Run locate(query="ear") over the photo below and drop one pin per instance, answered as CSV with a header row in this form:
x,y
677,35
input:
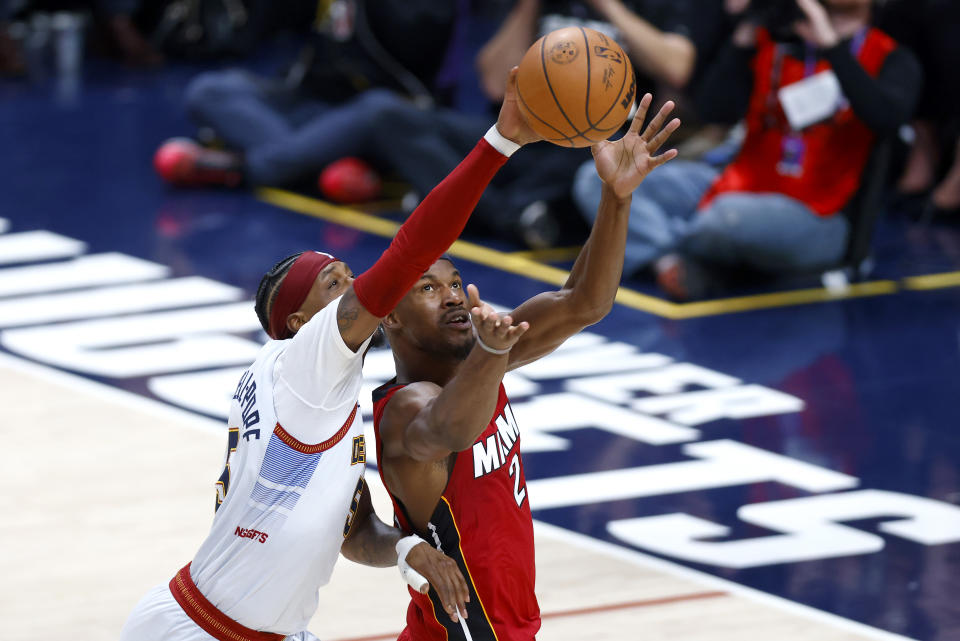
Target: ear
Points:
x,y
295,321
390,321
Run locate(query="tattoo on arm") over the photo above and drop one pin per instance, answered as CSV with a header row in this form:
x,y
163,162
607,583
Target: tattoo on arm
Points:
x,y
375,544
369,540
348,311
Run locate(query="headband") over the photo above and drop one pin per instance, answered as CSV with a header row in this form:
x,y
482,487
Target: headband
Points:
x,y
294,289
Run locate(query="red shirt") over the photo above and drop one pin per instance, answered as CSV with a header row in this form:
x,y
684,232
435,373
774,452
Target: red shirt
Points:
x,y
836,150
483,522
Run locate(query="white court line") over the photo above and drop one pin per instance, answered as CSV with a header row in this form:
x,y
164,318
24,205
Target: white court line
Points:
x,y
162,410
113,394
32,246
709,580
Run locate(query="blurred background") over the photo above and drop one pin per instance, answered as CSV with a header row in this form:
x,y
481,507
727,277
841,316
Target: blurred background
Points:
x,y
160,155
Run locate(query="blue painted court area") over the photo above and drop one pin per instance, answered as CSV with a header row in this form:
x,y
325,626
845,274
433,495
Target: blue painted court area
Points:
x,y
810,451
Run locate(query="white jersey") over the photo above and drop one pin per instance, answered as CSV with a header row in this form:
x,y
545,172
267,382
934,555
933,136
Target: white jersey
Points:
x,y
294,463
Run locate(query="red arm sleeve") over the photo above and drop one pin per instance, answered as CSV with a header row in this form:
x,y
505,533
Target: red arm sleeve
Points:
x,y
428,232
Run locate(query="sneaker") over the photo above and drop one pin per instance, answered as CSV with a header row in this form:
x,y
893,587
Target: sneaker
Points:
x,y
349,180
682,279
184,163
538,226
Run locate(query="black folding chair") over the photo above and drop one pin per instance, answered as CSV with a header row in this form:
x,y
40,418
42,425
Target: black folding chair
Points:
x,y
862,212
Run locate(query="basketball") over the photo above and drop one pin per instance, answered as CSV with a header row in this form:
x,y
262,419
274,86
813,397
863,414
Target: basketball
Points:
x,y
575,86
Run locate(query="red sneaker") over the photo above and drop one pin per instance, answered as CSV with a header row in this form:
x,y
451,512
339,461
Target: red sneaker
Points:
x,y
349,180
671,277
184,163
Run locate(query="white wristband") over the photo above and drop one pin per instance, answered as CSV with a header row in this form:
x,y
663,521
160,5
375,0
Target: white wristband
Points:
x,y
504,145
413,578
487,348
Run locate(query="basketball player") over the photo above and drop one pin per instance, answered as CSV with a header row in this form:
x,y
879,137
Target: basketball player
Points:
x,y
448,449
292,494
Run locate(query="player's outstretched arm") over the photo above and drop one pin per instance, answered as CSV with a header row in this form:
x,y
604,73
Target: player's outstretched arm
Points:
x,y
372,542
426,422
433,226
589,292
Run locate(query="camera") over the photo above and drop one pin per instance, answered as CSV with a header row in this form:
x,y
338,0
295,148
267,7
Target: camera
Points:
x,y
777,16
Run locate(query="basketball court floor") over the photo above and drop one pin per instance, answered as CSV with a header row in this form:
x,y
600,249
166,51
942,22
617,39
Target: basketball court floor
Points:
x,y
783,465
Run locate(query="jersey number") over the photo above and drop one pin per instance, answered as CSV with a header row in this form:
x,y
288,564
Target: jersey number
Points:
x,y
223,483
519,493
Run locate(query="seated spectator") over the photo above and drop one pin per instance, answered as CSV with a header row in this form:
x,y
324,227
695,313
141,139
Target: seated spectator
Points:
x,y
932,171
278,135
367,59
777,207
663,39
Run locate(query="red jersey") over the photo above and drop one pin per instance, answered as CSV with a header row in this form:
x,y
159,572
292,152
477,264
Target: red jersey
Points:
x,y
483,522
836,150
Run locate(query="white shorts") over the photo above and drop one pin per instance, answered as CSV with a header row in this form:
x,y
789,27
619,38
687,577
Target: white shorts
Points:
x,y
158,617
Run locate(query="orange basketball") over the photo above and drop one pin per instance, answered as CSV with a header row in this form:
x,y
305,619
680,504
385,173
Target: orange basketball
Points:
x,y
575,86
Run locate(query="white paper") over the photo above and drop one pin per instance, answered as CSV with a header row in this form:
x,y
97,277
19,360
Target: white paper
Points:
x,y
811,100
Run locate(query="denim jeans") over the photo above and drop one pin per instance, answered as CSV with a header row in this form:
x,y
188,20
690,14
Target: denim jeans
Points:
x,y
284,135
765,231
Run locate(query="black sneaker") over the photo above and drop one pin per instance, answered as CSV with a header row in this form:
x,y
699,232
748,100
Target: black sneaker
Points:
x,y
539,228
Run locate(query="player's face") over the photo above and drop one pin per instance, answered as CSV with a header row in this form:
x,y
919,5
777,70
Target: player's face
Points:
x,y
434,313
331,283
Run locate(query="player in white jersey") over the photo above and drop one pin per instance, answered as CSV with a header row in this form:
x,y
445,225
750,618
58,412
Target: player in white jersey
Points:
x,y
292,495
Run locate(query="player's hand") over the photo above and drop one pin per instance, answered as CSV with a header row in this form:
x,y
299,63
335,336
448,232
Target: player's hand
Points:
x,y
496,332
511,123
443,575
623,164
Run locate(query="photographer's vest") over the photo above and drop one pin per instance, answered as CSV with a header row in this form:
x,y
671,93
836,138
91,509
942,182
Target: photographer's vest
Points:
x,y
828,157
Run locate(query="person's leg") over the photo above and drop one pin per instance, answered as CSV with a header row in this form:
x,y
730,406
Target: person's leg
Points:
x,y
132,45
660,207
946,196
158,617
244,110
423,145
348,129
920,167
767,232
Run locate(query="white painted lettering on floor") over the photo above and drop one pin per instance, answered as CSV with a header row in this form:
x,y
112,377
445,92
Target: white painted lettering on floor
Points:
x,y
119,317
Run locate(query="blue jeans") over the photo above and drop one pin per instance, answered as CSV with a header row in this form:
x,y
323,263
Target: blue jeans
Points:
x,y
284,135
764,231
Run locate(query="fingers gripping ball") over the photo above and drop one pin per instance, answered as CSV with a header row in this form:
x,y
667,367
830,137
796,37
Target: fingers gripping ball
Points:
x,y
575,86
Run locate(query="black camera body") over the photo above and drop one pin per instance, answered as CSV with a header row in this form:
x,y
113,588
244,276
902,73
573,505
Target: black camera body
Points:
x,y
777,16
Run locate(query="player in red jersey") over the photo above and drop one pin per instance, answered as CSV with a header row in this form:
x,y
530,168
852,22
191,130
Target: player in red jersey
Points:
x,y
448,448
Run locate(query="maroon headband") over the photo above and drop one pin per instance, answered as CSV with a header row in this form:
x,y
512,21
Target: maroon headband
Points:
x,y
294,289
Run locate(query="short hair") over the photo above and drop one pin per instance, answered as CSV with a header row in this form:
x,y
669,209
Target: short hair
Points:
x,y
269,288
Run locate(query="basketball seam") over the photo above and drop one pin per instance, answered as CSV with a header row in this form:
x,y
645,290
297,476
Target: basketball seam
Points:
x,y
623,83
532,113
586,104
546,76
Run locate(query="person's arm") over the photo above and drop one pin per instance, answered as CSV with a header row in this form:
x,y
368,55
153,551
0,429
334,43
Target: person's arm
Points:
x,y
426,422
669,57
723,95
433,226
589,292
885,102
506,47
372,542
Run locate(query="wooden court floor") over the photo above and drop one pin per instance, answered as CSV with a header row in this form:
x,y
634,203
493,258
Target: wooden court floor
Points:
x,y
109,494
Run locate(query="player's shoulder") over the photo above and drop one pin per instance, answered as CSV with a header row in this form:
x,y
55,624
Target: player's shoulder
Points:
x,y
398,403
421,392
